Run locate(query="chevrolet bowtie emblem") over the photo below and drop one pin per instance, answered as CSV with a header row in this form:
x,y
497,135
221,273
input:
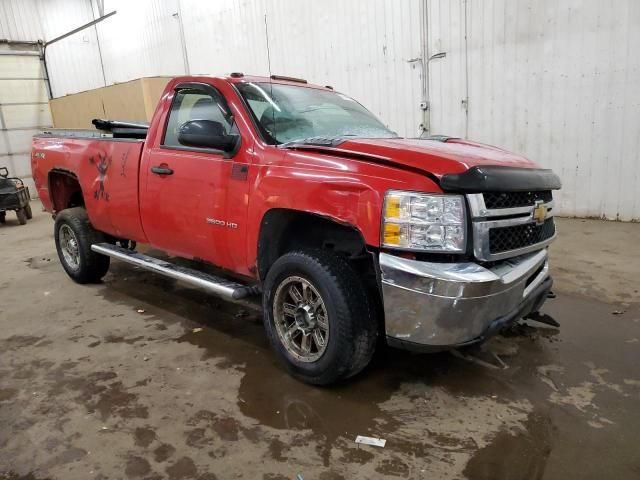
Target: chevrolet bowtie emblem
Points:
x,y
540,212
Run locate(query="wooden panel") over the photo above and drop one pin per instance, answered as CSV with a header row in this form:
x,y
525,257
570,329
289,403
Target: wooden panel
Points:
x,y
133,101
77,111
152,89
124,101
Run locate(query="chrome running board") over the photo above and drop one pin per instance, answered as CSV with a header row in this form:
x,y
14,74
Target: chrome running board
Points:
x,y
206,281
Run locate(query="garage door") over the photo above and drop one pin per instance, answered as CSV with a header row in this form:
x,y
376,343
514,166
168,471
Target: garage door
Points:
x,y
24,108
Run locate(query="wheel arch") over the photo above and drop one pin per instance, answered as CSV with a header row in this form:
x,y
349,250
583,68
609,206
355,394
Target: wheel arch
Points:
x,y
64,190
283,230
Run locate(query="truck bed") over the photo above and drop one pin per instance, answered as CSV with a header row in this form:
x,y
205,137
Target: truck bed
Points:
x,y
104,129
106,165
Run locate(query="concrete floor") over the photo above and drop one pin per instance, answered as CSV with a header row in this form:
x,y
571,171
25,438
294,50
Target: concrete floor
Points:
x,y
112,381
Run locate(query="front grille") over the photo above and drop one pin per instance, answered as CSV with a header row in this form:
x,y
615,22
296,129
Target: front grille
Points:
x,y
496,200
502,239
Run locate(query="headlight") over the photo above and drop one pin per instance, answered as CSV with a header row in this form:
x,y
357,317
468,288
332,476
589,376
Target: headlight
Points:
x,y
417,221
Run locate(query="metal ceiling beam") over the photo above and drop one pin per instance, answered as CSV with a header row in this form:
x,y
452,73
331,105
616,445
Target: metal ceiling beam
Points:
x,y
63,36
76,30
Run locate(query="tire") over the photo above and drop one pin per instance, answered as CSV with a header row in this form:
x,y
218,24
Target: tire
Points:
x,y
74,236
28,211
350,337
3,217
22,216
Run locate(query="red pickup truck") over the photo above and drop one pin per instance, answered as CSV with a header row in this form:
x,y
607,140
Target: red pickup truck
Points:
x,y
299,194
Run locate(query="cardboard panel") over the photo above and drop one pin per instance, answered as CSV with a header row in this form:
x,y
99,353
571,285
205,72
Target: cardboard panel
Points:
x,y
124,101
152,89
77,111
133,101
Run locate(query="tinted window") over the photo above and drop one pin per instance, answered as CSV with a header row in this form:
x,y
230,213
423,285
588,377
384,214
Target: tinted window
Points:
x,y
193,105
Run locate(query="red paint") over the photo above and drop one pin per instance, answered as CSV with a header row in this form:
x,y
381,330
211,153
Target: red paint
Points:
x,y
346,184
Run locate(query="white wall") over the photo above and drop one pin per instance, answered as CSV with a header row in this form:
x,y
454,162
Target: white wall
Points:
x,y
24,110
142,39
556,81
358,47
75,61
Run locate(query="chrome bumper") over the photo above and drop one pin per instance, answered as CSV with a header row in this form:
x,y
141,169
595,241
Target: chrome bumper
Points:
x,y
444,305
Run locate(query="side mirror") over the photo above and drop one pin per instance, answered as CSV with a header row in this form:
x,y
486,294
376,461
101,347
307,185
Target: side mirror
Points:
x,y
206,134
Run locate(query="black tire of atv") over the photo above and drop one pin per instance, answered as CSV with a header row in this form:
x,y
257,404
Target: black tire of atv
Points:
x,y
22,216
352,323
92,266
28,211
3,217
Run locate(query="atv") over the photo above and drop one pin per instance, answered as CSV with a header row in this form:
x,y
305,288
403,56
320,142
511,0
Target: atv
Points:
x,y
14,195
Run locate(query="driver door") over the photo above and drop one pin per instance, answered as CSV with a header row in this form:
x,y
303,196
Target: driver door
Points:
x,y
185,195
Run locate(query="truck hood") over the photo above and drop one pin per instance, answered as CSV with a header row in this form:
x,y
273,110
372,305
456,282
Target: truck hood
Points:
x,y
436,157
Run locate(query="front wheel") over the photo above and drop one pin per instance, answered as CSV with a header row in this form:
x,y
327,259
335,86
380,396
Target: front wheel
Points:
x,y
28,212
74,236
318,316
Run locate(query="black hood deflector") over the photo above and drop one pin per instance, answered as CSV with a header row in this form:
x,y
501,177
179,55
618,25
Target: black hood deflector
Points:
x,y
494,178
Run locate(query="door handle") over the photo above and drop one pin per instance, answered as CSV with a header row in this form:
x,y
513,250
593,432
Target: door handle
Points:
x,y
162,170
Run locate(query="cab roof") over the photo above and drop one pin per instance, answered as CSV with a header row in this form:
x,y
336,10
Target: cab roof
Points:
x,y
238,77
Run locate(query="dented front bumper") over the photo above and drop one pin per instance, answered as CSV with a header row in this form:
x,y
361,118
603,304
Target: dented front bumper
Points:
x,y
436,306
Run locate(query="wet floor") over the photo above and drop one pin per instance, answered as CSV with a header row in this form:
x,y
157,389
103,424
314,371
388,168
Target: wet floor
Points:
x,y
141,377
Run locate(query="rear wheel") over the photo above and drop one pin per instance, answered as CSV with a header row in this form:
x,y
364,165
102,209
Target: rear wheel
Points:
x,y
28,211
318,316
74,236
22,216
3,217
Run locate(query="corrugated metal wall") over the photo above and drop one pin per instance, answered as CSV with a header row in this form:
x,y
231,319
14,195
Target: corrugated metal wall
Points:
x,y
142,39
75,61
358,47
20,20
556,81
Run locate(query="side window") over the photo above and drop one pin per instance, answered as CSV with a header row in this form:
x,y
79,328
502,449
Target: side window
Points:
x,y
193,105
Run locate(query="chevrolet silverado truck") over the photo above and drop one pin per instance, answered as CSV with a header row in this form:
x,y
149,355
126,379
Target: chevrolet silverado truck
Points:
x,y
297,193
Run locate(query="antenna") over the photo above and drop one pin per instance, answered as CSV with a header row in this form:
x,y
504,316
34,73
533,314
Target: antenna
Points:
x,y
266,33
273,110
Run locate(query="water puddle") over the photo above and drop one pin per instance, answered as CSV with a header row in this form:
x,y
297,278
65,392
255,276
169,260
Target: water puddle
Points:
x,y
492,422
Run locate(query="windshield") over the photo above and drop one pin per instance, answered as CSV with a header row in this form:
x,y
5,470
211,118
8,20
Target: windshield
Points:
x,y
287,113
